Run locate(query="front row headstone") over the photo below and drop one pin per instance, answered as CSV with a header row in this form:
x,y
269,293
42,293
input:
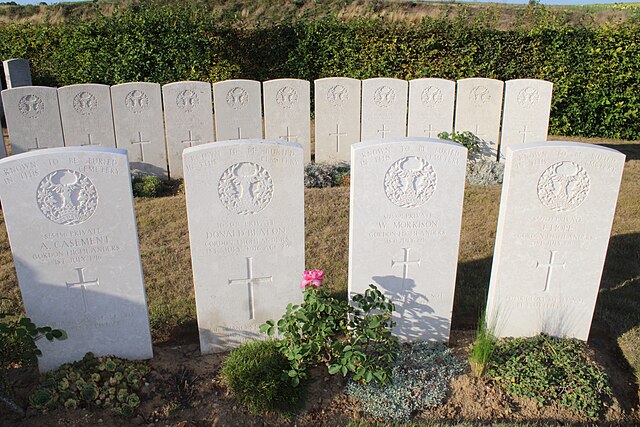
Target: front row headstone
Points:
x,y
406,211
71,224
245,206
556,212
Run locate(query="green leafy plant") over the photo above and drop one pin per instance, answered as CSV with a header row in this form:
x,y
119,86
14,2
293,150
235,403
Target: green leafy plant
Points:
x,y
549,370
471,142
18,336
482,347
256,374
107,381
347,339
147,186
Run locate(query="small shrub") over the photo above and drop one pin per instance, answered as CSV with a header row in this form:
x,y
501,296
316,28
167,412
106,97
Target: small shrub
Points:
x,y
468,139
549,370
323,175
147,186
485,172
419,380
108,382
256,374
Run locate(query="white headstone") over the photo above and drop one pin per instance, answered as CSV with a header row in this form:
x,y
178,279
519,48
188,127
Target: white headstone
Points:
x,y
245,205
1,107
237,108
3,148
33,118
527,106
556,211
70,220
87,118
188,116
17,72
384,108
430,107
137,116
404,231
287,114
478,110
337,118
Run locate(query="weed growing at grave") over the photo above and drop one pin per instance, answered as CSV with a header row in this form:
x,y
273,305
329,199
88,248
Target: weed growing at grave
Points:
x,y
18,336
255,373
485,172
147,186
466,138
419,380
483,347
326,330
549,370
107,381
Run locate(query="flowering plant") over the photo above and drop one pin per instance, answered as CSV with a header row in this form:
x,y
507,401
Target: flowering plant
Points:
x,y
327,330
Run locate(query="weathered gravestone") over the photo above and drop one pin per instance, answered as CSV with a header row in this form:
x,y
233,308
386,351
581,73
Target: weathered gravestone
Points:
x,y
238,109
406,210
188,116
527,105
287,112
1,107
87,117
384,108
430,107
246,226
337,118
70,220
33,118
3,148
17,72
137,116
478,110
556,211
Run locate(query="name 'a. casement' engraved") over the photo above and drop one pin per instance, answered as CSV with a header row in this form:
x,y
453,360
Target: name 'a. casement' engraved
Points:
x,y
237,98
67,197
85,103
287,97
479,95
31,106
550,265
82,283
250,281
431,96
187,100
405,263
528,97
337,95
563,186
136,101
384,96
245,188
410,182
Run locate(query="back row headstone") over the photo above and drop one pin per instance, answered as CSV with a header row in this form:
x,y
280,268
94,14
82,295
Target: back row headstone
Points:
x,y
431,103
70,220
556,211
17,72
404,229
245,205
237,108
87,117
384,108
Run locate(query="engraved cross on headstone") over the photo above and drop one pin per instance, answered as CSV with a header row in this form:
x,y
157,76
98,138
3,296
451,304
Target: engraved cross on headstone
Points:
x,y
190,140
337,134
82,283
478,132
240,134
405,265
288,136
384,131
37,147
549,266
250,281
90,141
524,132
140,142
430,130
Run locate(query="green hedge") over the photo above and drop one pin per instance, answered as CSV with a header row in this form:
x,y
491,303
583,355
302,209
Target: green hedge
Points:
x,y
596,71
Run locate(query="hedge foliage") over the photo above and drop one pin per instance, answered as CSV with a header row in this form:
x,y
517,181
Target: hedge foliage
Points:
x,y
596,71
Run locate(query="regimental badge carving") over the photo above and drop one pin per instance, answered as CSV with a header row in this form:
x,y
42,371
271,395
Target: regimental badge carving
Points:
x,y
31,106
563,186
245,188
85,103
337,95
384,96
237,98
528,97
479,95
136,101
410,182
187,100
431,96
67,197
287,97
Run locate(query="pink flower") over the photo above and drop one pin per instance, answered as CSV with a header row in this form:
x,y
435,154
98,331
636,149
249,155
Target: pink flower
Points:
x,y
312,278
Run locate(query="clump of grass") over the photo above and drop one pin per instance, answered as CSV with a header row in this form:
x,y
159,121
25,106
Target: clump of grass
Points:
x,y
255,373
483,347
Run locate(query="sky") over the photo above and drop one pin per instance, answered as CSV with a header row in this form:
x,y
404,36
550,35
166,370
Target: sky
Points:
x,y
549,2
